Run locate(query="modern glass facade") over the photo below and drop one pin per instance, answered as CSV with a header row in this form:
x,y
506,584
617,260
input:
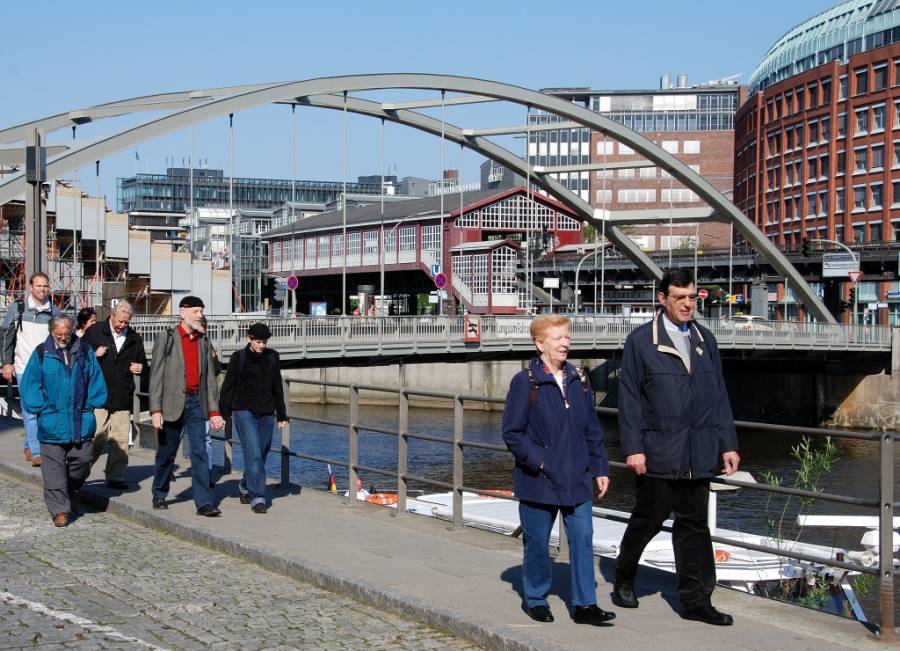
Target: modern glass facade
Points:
x,y
170,192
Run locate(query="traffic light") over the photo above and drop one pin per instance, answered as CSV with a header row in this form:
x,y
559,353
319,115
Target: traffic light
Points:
x,y
804,247
852,298
845,306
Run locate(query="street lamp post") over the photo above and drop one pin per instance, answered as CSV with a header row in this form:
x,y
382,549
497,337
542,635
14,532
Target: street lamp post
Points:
x,y
852,257
730,259
578,271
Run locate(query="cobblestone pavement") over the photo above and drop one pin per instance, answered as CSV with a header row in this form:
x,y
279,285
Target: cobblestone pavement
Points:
x,y
103,583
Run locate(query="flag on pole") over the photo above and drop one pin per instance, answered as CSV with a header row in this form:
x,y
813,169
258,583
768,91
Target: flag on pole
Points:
x,y
332,486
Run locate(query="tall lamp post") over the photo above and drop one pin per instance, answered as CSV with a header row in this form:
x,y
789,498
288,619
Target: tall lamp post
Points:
x,y
730,259
852,257
578,272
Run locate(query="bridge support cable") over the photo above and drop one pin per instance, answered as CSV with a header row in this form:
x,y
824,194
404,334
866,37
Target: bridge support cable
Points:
x,y
441,182
344,209
280,92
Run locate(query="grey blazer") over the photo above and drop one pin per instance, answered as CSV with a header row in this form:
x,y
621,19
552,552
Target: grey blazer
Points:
x,y
167,376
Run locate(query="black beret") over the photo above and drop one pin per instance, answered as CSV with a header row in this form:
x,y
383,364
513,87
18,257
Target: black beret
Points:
x,y
259,331
191,301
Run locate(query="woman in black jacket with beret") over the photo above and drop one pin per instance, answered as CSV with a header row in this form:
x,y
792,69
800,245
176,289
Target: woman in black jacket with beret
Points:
x,y
252,398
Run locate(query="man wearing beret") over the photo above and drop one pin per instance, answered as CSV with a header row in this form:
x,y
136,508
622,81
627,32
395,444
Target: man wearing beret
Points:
x,y
183,395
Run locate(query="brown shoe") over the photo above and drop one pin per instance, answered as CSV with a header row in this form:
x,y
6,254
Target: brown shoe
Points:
x,y
27,454
36,460
61,520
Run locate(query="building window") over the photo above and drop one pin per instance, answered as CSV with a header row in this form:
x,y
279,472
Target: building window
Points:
x,y
813,134
811,204
859,198
862,121
337,247
408,238
841,162
839,206
370,243
823,202
879,77
298,251
895,194
503,277
877,196
691,146
636,195
826,91
861,77
627,173
678,195
670,146
604,147
823,166
842,87
874,232
604,174
877,157
625,149
353,244
811,169
826,129
431,238
878,118
861,160
603,197
311,252
842,125
323,247
859,232
897,72
390,241
648,172
813,95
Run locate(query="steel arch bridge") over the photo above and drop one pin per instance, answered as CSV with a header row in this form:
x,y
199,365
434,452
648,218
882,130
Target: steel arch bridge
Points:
x,y
197,106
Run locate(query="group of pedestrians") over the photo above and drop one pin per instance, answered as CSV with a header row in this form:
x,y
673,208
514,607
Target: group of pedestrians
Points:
x,y
675,427
76,382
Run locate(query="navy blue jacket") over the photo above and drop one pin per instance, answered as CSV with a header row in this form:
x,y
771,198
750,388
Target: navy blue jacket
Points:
x,y
568,441
64,396
681,421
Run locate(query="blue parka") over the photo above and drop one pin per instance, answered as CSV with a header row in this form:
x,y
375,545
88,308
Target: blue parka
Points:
x,y
64,397
681,421
562,433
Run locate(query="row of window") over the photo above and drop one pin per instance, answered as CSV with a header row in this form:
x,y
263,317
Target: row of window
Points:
x,y
605,147
517,213
647,195
324,247
866,197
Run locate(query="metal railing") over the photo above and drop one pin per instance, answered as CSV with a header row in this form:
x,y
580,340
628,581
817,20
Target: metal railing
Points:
x,y
336,337
884,505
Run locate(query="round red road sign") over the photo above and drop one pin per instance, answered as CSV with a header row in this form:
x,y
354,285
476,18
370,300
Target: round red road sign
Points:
x,y
292,282
440,280
702,294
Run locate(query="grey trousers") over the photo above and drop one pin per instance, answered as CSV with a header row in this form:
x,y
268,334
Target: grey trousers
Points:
x,y
64,469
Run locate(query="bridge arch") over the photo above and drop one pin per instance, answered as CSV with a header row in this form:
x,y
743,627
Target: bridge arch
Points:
x,y
304,91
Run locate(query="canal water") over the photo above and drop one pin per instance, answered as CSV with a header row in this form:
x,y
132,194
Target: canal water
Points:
x,y
854,473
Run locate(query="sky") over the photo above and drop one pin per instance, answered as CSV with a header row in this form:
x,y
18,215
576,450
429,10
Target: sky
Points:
x,y
64,56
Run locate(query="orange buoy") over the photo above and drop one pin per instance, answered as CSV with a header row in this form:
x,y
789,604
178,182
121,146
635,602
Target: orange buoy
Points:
x,y
382,498
722,556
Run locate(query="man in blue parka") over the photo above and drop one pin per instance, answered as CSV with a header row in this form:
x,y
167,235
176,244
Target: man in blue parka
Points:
x,y
551,427
62,385
675,424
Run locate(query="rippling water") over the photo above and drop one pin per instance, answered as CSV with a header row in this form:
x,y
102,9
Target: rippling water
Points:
x,y
856,473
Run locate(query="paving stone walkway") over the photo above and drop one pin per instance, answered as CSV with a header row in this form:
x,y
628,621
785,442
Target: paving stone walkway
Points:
x,y
103,583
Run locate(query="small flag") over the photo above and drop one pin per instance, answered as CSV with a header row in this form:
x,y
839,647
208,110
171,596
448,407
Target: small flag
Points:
x,y
330,484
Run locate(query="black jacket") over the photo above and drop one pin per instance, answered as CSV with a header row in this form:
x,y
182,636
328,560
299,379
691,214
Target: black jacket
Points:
x,y
681,421
119,380
253,382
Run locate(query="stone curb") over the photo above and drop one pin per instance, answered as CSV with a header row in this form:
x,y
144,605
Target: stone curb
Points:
x,y
479,631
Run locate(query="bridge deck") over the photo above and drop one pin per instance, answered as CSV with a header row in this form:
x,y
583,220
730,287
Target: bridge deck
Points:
x,y
465,581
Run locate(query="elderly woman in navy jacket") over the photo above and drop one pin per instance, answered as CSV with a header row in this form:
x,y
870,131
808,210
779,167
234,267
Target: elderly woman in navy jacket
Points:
x,y
551,427
63,385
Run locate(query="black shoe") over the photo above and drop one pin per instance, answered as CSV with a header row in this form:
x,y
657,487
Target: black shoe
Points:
x,y
209,511
623,596
707,615
118,485
540,614
259,508
245,499
160,503
593,615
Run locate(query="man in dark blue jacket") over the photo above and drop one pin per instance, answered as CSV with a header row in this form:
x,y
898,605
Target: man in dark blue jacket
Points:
x,y
674,422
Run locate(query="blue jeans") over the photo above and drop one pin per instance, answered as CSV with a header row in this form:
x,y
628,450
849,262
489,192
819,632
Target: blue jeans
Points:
x,y
255,433
192,422
537,521
31,427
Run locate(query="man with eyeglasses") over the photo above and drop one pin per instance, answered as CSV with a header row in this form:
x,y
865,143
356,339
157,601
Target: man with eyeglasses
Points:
x,y
675,424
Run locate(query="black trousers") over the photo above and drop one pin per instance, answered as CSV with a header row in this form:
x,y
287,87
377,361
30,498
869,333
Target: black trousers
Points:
x,y
695,565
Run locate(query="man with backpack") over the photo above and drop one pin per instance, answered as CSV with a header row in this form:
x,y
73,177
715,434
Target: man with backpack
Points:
x,y
25,325
183,395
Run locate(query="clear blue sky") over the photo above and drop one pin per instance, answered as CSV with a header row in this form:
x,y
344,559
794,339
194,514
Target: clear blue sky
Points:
x,y
59,55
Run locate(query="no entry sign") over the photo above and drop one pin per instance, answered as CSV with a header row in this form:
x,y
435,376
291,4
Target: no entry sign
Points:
x,y
702,294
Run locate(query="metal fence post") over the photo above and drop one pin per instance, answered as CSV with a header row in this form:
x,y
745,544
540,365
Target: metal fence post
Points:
x,y
353,444
885,538
402,451
457,463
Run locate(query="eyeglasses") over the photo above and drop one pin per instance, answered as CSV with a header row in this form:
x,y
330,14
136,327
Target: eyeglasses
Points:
x,y
681,300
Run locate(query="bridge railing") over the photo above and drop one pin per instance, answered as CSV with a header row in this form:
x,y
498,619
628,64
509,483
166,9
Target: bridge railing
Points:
x,y
884,506
299,336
